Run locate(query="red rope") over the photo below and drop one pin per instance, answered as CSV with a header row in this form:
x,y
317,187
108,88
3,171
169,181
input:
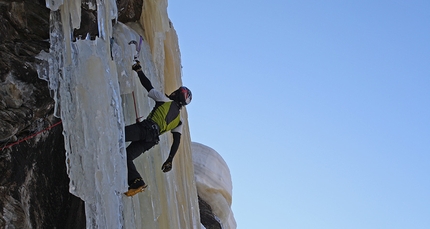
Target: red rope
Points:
x,y
56,124
31,136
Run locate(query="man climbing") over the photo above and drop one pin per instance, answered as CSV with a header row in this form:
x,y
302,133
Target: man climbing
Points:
x,y
144,135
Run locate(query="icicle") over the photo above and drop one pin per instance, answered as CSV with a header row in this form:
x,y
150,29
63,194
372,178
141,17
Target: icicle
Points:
x,y
54,5
92,81
75,13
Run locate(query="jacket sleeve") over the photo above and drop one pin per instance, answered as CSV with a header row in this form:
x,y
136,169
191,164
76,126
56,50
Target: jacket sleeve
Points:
x,y
175,145
145,81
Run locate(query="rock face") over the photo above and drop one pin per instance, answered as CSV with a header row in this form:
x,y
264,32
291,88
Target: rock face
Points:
x,y
24,99
207,216
33,181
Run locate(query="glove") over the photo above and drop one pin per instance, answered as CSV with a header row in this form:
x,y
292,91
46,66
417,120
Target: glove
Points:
x,y
167,166
136,66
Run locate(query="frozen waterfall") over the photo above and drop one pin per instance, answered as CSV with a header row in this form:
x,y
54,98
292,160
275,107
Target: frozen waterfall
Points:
x,y
97,94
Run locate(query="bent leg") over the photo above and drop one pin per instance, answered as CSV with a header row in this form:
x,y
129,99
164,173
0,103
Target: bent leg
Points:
x,y
134,150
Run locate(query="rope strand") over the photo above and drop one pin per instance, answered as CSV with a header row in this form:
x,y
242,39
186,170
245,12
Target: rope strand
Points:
x,y
135,108
56,124
31,136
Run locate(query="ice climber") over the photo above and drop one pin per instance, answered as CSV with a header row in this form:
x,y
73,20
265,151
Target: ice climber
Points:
x,y
144,135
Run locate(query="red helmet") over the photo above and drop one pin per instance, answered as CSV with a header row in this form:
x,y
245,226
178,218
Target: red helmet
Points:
x,y
182,95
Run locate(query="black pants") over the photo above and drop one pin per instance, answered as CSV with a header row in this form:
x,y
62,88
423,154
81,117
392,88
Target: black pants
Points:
x,y
143,137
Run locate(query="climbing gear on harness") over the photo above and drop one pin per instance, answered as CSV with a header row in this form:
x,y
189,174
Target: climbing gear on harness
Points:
x,y
153,131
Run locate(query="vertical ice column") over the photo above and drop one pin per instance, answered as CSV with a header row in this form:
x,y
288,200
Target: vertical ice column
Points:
x,y
93,131
85,83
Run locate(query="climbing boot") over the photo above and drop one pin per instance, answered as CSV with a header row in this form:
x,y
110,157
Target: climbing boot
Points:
x,y
137,186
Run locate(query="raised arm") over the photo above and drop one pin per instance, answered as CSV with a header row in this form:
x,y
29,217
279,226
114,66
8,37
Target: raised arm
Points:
x,y
143,79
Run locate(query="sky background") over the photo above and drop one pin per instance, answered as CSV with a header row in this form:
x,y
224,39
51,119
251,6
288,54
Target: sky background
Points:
x,y
321,109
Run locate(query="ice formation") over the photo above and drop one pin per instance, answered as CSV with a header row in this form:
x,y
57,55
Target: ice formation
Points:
x,y
95,92
213,182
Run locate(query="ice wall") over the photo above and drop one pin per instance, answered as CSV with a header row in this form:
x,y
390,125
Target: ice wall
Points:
x,y
93,86
213,182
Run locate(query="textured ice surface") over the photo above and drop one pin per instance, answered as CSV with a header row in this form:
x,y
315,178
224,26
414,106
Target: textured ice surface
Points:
x,y
92,116
92,84
54,4
85,86
213,182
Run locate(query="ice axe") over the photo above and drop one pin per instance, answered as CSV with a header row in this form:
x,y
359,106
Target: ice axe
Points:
x,y
135,58
138,46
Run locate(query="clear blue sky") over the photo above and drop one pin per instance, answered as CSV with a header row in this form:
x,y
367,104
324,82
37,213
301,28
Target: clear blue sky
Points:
x,y
321,109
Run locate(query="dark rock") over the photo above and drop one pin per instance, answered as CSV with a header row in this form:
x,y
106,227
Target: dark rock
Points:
x,y
207,218
129,10
89,24
34,183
